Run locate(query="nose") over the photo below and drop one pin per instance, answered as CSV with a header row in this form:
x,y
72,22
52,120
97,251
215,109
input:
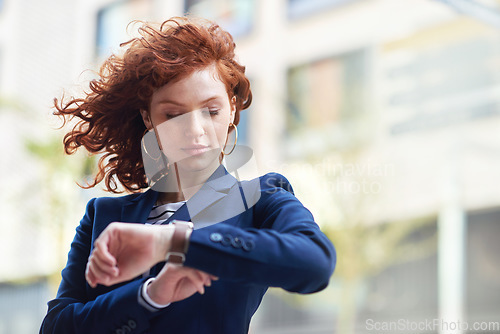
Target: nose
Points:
x,y
194,124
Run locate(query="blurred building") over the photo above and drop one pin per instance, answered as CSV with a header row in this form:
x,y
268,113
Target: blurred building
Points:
x,y
382,112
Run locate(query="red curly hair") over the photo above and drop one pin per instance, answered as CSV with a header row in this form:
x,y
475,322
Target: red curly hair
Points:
x,y
108,117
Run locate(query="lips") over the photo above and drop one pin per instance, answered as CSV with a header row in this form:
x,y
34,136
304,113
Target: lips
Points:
x,y
196,149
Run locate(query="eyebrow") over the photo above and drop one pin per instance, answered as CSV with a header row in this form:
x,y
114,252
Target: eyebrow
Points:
x,y
181,104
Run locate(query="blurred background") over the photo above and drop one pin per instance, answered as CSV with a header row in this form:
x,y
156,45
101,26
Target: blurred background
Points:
x,y
383,114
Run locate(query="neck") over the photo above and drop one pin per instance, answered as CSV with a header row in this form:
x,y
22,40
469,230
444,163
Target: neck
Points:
x,y
192,181
170,197
188,183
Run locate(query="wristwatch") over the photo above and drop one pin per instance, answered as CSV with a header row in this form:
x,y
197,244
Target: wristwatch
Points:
x,y
180,242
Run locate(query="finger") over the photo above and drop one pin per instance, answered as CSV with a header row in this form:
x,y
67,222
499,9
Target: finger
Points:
x,y
200,287
101,247
104,266
197,278
200,274
212,277
190,274
99,275
104,256
207,281
207,278
89,276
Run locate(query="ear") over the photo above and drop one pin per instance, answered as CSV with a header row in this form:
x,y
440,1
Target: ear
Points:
x,y
146,119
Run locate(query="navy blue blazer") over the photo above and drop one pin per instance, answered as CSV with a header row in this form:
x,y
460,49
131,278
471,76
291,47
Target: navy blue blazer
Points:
x,y
272,242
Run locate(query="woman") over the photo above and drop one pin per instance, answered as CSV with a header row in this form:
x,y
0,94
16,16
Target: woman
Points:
x,y
165,114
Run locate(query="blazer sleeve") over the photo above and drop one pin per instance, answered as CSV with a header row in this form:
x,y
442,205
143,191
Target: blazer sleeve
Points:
x,y
74,311
282,247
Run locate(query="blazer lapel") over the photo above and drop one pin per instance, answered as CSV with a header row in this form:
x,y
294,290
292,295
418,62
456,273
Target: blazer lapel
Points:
x,y
138,209
181,214
214,190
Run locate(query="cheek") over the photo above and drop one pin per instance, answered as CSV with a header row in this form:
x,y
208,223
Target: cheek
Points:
x,y
221,133
222,126
168,136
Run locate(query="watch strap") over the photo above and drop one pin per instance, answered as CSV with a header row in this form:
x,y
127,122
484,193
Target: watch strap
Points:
x,y
179,243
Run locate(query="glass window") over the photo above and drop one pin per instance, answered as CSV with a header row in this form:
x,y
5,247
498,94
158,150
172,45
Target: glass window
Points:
x,y
408,287
301,8
112,22
326,92
483,265
427,87
236,16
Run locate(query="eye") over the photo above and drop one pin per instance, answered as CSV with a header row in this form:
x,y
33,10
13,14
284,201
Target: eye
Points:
x,y
212,111
171,114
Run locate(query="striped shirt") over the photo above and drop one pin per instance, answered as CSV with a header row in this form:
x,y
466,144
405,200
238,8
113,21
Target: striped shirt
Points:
x,y
160,213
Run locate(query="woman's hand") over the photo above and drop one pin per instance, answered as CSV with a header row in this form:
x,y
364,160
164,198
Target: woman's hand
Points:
x,y
175,282
124,251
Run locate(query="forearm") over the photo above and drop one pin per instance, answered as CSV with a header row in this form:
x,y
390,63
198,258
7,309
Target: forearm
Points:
x,y
105,314
300,261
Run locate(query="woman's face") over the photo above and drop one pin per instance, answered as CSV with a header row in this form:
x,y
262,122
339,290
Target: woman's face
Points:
x,y
192,117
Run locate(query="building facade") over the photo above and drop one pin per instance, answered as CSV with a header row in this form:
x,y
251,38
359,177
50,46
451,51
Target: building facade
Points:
x,y
384,115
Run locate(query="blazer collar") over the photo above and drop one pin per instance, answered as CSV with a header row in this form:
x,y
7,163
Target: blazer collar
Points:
x,y
213,190
137,209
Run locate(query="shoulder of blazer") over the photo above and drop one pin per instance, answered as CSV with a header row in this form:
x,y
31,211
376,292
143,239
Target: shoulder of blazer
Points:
x,y
107,209
107,201
273,182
